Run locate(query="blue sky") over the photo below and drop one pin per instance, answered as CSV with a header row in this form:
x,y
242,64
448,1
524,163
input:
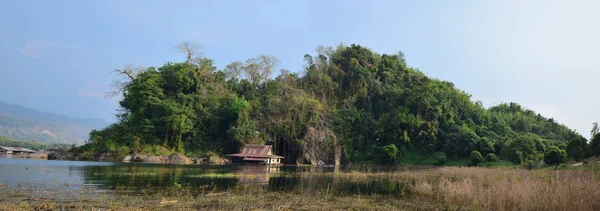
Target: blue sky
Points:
x,y
56,55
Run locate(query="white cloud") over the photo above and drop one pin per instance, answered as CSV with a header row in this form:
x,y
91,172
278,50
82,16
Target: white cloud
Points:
x,y
36,48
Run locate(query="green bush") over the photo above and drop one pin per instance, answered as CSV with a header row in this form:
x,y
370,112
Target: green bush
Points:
x,y
441,158
491,157
554,156
476,157
389,153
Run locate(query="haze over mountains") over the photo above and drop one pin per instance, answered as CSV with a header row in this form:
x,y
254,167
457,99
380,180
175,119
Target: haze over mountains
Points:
x,y
22,123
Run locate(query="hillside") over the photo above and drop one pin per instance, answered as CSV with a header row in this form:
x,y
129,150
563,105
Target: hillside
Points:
x,y
22,123
349,105
33,145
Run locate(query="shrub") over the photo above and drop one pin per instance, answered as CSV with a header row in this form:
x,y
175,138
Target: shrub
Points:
x,y
577,148
389,153
491,157
476,157
554,156
441,158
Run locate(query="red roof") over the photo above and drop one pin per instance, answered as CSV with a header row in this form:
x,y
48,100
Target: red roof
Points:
x,y
254,155
255,151
255,159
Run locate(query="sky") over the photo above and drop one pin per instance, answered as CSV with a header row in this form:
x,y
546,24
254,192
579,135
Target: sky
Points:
x,y
56,55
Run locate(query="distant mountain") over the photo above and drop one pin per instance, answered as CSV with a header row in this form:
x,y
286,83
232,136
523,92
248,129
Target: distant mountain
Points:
x,y
22,123
33,145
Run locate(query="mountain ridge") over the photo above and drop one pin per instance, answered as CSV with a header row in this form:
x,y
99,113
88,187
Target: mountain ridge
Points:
x,y
22,123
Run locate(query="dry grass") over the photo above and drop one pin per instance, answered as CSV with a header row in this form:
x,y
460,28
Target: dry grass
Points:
x,y
497,189
246,199
448,188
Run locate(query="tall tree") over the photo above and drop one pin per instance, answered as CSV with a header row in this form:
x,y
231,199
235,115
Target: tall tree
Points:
x,y
595,130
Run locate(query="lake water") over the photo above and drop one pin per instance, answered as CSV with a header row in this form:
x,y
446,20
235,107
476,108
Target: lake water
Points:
x,y
107,176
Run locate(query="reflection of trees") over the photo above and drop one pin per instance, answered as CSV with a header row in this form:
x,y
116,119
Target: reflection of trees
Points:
x,y
310,180
135,176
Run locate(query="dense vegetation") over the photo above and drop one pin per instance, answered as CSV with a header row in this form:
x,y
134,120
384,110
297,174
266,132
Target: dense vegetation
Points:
x,y
21,123
34,145
349,104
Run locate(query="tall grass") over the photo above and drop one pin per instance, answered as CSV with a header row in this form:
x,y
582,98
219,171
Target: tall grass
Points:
x,y
498,189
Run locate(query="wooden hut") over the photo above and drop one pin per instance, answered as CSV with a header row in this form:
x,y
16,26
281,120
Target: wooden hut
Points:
x,y
252,153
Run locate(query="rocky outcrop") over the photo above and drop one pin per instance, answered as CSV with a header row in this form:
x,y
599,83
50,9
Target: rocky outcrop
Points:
x,y
128,158
179,158
139,157
38,155
155,159
61,155
217,160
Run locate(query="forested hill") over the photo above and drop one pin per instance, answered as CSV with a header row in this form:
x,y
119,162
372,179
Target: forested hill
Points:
x,y
22,123
349,105
33,145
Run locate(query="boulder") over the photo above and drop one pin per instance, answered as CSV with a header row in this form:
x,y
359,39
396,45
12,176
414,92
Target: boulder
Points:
x,y
127,158
138,157
155,159
321,163
179,158
216,159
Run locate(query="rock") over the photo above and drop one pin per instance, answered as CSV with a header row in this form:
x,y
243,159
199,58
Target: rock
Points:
x,y
320,163
38,155
139,158
127,158
179,158
61,155
216,159
102,157
155,159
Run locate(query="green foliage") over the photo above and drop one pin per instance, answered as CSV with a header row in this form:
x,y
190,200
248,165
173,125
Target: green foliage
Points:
x,y
389,153
595,145
371,107
441,158
577,148
554,156
476,157
491,157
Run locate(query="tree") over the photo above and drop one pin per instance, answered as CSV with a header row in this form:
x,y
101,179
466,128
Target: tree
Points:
x,y
268,63
476,157
491,157
577,148
554,156
127,75
351,104
233,70
191,50
389,153
595,130
595,145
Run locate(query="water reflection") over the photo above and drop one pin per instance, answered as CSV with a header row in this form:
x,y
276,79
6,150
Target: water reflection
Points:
x,y
138,176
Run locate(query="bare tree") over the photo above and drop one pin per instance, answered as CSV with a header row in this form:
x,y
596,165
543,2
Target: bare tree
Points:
x,y
252,70
127,74
268,63
192,51
233,70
